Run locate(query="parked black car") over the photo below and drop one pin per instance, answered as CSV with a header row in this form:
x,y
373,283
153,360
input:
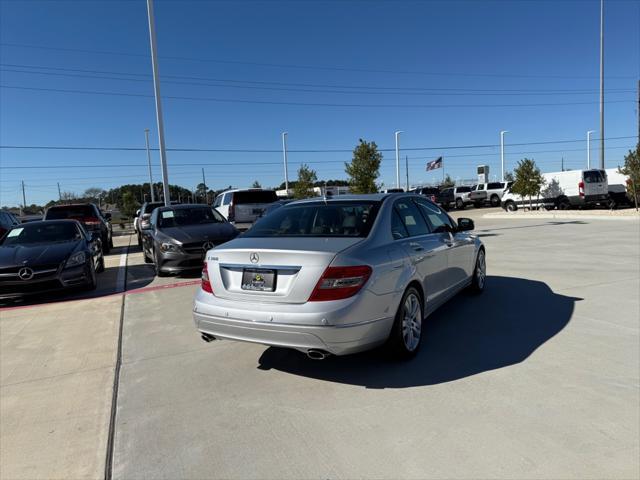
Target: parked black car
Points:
x,y
45,256
91,218
430,192
178,237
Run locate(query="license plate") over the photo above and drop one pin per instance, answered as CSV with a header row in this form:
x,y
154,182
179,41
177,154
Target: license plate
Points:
x,y
259,280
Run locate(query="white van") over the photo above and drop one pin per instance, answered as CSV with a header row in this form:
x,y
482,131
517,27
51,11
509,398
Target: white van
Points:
x,y
564,190
243,207
617,183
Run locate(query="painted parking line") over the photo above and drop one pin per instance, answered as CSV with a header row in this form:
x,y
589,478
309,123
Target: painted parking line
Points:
x,y
186,283
122,271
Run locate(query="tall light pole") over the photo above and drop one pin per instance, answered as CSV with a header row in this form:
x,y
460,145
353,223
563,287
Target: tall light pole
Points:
x,y
502,152
398,158
286,168
602,84
156,89
146,138
589,148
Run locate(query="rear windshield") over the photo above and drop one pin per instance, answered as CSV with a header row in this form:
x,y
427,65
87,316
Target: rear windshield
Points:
x,y
254,196
188,216
333,219
464,189
150,207
42,233
71,211
430,191
593,176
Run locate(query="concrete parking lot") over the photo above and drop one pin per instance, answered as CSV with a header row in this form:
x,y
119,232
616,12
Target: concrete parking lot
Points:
x,y
537,378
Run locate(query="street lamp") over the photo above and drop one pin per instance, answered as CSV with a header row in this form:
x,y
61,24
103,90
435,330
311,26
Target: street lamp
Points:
x,y
286,170
589,148
502,151
146,137
398,159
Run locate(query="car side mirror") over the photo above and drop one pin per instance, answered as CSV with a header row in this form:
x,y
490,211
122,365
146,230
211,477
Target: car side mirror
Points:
x,y
465,224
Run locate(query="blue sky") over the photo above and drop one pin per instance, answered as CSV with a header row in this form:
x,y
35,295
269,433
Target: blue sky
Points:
x,y
435,70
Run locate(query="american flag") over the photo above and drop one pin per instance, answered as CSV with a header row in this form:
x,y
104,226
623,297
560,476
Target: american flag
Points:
x,y
434,164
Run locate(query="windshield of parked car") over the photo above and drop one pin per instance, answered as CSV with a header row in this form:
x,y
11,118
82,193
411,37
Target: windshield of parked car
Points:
x,y
27,234
181,217
254,196
150,207
318,219
464,189
77,212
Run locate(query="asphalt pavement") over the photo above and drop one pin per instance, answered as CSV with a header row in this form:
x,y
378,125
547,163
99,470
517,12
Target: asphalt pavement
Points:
x,y
536,378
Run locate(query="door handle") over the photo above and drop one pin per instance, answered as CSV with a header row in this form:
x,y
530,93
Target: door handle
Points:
x,y
416,247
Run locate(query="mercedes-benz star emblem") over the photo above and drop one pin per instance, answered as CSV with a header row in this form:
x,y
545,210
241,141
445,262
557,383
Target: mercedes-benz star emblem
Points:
x,y
206,246
25,273
254,257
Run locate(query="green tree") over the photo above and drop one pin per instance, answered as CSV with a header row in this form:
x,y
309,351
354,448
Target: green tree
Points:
x,y
528,179
448,182
256,184
364,168
129,204
632,170
303,188
93,192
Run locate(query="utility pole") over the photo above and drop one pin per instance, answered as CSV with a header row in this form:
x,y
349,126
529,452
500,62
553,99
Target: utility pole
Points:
x,y
562,164
24,200
59,193
156,89
204,182
398,158
406,161
146,138
502,153
638,112
589,149
286,169
602,84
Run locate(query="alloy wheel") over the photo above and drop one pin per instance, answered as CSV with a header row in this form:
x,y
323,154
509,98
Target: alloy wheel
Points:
x,y
411,322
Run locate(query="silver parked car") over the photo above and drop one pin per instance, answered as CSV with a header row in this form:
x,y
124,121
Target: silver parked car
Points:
x,y
339,276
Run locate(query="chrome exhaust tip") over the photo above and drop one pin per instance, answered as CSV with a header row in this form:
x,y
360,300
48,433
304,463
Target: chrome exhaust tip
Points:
x,y
207,338
317,354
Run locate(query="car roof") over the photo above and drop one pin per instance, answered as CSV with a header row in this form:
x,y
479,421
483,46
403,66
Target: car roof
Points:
x,y
184,206
233,190
73,205
371,197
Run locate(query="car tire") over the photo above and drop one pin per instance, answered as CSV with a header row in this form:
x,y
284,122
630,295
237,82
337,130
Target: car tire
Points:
x,y
564,204
402,343
146,257
479,278
459,204
106,247
100,267
495,201
93,282
110,242
510,206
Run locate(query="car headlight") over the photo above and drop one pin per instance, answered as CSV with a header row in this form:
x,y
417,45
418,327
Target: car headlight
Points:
x,y
76,259
169,247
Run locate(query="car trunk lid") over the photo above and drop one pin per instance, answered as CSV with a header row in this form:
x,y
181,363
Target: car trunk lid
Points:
x,y
291,267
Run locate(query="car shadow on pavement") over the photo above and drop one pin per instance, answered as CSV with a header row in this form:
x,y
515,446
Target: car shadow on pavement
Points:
x,y
469,335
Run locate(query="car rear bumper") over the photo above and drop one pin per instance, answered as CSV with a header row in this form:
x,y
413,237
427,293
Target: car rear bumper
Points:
x,y
265,324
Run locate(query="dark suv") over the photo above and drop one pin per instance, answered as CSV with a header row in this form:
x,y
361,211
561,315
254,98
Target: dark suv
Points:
x,y
90,216
430,192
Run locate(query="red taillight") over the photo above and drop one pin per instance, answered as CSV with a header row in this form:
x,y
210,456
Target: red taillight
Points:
x,y
337,283
581,189
206,284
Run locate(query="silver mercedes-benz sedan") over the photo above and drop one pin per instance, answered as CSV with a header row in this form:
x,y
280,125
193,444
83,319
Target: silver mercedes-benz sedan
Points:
x,y
339,275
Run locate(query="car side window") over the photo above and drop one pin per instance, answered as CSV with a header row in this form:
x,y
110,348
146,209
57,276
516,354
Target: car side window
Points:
x,y
439,221
153,220
398,230
411,218
226,200
218,201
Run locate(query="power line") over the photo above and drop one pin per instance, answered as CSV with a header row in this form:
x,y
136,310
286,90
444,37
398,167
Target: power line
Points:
x,y
436,92
300,66
310,104
247,150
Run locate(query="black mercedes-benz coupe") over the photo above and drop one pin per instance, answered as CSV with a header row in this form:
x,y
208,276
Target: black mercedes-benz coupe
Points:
x,y
178,237
46,256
